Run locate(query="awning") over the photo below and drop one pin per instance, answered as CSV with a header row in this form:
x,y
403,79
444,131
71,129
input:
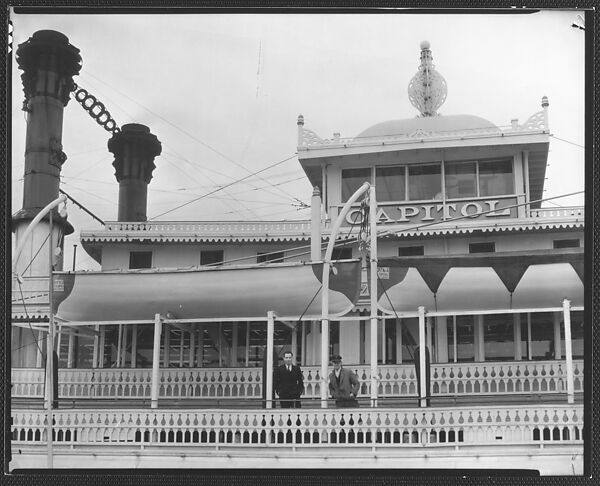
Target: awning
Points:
x,y
477,282
289,289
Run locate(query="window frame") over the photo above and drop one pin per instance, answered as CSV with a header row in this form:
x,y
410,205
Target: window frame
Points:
x,y
140,252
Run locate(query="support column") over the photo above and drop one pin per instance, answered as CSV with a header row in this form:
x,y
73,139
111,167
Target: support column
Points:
x,y
398,341
134,329
517,336
70,351
119,344
428,335
220,344
568,351
304,344
124,346
192,352
38,359
373,295
295,343
315,225
181,342
454,339
234,344
200,359
247,344
167,346
557,343
480,338
421,364
156,361
441,339
102,345
270,345
529,336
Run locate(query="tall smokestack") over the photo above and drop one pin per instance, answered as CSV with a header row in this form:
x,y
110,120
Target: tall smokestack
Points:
x,y
48,62
134,148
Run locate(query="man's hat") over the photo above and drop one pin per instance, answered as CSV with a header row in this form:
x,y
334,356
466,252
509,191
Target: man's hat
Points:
x,y
336,358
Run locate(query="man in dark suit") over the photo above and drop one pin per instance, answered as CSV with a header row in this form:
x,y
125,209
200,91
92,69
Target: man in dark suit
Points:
x,y
288,382
343,384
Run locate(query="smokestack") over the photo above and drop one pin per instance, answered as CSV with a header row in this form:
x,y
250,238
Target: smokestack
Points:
x,y
48,62
134,148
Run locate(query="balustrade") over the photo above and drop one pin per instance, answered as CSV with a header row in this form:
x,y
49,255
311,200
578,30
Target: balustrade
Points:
x,y
447,379
479,426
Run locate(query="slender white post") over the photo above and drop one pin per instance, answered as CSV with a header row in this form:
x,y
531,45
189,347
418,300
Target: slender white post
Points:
x,y
454,339
234,344
373,295
295,344
70,351
181,341
119,345
398,341
315,225
124,346
557,345
247,344
156,361
421,364
167,346
529,336
50,343
568,350
517,336
304,347
134,346
270,344
192,353
325,291
96,346
102,344
200,361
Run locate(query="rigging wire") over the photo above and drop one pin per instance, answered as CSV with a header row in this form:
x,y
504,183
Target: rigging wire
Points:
x,y
131,117
567,141
193,137
222,187
28,318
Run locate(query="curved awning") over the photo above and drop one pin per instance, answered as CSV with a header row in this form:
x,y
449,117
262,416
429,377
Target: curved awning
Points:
x,y
481,283
290,289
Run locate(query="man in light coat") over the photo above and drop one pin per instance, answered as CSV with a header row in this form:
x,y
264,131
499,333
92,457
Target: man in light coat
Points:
x,y
343,384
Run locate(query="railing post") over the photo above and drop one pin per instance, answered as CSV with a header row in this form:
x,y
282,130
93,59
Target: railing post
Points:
x,y
156,361
373,295
568,350
421,363
269,370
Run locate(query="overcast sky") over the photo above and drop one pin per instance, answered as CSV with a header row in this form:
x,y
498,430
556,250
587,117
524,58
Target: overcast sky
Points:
x,y
223,93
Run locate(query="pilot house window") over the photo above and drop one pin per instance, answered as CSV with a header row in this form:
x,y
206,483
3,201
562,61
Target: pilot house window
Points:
x,y
390,183
424,182
352,179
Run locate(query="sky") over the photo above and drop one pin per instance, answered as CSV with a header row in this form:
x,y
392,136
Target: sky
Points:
x,y
222,92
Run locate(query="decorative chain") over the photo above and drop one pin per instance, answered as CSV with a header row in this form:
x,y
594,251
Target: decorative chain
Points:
x,y
96,109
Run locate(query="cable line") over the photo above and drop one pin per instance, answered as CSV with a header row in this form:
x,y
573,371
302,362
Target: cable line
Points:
x,y
567,141
223,187
193,137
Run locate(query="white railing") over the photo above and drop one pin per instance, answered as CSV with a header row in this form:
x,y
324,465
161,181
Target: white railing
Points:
x,y
225,228
567,212
479,426
504,377
447,379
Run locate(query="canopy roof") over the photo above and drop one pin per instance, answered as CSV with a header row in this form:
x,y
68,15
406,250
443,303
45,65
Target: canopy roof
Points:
x,y
481,282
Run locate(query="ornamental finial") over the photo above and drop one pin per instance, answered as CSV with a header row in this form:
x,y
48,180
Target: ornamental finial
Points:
x,y
427,89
